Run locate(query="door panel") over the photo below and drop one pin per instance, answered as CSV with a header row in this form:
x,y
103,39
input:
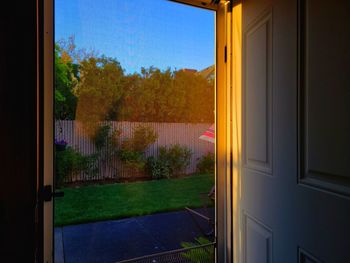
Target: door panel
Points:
x,y
257,118
294,177
305,257
325,93
257,133
257,241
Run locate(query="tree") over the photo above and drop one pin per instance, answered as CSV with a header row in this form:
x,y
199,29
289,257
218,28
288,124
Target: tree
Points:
x,y
168,96
147,95
66,77
93,88
199,97
99,90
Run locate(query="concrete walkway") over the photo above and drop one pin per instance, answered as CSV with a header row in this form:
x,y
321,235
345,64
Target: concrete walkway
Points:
x,y
112,241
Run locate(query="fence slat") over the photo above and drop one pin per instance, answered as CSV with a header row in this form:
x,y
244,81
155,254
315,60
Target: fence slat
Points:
x,y
184,134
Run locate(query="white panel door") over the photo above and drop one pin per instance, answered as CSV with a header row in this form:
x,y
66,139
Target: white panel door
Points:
x,y
294,181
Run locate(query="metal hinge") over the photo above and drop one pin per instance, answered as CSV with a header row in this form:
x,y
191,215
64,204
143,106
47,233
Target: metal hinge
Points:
x,y
231,4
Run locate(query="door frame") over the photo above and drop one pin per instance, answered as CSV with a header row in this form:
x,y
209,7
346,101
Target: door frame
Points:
x,y
223,145
235,105
45,114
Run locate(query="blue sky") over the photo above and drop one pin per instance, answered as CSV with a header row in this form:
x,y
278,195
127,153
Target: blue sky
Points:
x,y
140,32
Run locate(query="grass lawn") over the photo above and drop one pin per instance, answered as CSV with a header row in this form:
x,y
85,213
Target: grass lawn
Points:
x,y
103,202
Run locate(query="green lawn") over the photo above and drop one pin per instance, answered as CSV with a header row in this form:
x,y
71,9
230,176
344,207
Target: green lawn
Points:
x,y
103,202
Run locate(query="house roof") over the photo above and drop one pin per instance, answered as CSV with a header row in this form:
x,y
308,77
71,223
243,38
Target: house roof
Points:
x,y
208,73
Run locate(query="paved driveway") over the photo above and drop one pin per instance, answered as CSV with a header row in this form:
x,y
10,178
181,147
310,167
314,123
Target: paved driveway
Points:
x,y
112,241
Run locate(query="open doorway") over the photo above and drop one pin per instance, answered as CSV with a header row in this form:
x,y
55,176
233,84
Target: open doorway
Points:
x,y
134,129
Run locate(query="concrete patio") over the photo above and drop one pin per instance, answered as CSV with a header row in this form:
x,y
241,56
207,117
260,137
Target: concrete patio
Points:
x,y
116,240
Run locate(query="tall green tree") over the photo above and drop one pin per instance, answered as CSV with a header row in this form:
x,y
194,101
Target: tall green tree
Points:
x,y
168,96
66,78
93,88
99,90
198,105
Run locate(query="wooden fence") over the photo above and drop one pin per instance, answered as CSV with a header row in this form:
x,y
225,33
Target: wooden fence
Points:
x,y
168,134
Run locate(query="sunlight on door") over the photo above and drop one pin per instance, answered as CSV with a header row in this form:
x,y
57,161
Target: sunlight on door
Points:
x,y
134,131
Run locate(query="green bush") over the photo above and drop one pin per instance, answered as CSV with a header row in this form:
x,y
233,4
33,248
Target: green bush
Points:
x,y
101,136
132,159
141,139
206,164
132,150
157,168
106,139
176,157
70,162
106,142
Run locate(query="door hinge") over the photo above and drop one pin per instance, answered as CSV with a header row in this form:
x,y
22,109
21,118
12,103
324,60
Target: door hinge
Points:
x,y
47,193
232,3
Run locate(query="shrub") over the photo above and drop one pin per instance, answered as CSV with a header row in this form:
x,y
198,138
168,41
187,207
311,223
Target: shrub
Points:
x,y
106,142
206,164
176,157
132,150
157,168
101,136
104,139
132,159
71,162
142,138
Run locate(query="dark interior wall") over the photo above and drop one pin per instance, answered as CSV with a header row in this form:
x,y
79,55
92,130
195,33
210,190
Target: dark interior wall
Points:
x,y
18,130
